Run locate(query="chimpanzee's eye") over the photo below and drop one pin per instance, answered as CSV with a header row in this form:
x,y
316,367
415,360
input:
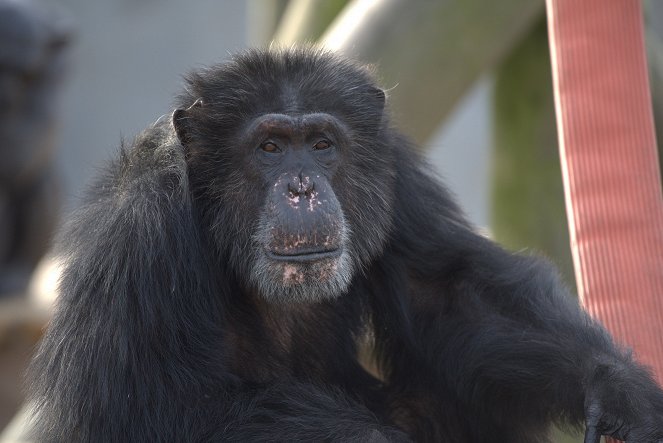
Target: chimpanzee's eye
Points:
x,y
322,145
270,147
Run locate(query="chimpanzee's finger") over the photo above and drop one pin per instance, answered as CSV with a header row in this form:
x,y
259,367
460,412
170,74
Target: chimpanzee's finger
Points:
x,y
592,434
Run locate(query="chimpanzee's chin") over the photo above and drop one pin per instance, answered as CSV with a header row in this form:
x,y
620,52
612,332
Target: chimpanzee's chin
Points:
x,y
316,277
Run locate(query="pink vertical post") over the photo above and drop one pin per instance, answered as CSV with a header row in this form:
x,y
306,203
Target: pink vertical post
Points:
x,y
610,167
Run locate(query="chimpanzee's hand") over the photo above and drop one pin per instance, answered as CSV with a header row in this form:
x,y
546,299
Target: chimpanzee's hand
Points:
x,y
624,403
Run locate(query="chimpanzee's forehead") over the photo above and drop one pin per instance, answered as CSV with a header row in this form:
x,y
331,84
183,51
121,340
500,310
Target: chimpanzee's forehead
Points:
x,y
290,82
293,123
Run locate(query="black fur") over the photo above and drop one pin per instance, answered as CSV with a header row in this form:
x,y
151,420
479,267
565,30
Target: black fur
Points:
x,y
160,336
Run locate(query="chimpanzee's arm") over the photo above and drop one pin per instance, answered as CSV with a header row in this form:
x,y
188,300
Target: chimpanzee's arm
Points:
x,y
500,330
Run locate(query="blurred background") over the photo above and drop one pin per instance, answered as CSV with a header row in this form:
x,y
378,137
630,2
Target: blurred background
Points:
x,y
468,80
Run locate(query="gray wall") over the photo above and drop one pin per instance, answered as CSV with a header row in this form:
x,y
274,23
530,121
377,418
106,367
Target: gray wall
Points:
x,y
126,64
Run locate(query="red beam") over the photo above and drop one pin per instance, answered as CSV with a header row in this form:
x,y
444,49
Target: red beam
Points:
x,y
610,167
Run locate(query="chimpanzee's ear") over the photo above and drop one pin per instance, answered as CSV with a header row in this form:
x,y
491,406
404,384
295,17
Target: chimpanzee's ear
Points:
x,y
379,97
182,119
375,98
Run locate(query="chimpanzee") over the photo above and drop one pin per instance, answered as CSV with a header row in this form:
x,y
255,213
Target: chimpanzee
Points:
x,y
276,263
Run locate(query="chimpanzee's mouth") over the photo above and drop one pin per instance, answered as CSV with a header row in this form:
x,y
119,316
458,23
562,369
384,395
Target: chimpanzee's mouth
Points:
x,y
304,255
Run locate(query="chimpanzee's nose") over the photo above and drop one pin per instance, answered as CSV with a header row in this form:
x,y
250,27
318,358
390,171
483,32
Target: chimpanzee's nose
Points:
x,y
301,185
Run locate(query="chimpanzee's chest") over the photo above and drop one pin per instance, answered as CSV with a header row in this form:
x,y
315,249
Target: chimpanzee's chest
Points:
x,y
265,342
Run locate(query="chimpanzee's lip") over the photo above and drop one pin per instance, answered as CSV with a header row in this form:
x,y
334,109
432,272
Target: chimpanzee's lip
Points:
x,y
303,256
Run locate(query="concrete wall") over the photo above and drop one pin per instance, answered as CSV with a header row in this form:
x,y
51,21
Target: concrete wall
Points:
x,y
126,64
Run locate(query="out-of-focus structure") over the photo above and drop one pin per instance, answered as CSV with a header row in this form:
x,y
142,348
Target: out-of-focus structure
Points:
x,y
33,59
32,62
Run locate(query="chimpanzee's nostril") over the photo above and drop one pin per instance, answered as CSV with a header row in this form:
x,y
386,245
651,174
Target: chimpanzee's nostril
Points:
x,y
308,192
293,188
